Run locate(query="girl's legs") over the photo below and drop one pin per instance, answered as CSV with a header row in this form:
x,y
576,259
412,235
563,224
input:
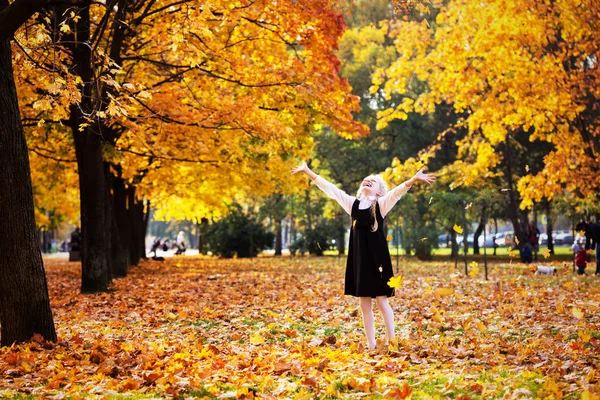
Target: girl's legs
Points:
x,y
367,311
388,317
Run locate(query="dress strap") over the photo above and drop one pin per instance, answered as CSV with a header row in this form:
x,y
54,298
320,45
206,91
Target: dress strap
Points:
x,y
355,208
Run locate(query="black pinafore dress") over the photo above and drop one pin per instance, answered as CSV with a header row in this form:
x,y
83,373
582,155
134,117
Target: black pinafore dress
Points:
x,y
369,266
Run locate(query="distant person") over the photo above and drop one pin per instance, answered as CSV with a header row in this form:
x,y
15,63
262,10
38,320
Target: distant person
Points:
x,y
592,239
526,252
180,243
369,266
580,258
165,245
156,244
533,238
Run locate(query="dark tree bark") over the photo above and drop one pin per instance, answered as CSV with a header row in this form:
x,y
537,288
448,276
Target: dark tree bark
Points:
x,y
549,227
123,224
477,233
278,239
24,303
95,223
513,200
119,256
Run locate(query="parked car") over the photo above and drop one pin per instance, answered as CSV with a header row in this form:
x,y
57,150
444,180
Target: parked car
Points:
x,y
563,237
505,239
444,240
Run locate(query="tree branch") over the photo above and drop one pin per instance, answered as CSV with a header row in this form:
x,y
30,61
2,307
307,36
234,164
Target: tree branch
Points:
x,y
16,14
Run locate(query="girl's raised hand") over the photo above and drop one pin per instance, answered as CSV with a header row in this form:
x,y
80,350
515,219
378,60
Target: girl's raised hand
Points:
x,y
301,168
423,177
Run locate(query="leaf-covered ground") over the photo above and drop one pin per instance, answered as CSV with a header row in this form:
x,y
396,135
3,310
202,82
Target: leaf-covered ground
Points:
x,y
280,328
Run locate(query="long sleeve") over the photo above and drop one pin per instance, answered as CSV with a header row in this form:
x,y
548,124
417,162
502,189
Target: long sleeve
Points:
x,y
387,202
333,192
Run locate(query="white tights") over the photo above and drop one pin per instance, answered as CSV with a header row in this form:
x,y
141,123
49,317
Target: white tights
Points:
x,y
366,306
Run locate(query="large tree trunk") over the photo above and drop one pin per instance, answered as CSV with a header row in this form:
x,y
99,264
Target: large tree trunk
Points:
x,y
24,304
119,256
95,261
123,224
138,221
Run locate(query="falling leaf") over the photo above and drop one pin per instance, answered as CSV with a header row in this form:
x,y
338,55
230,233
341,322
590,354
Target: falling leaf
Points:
x,y
513,253
458,229
422,239
388,237
474,270
468,206
319,246
395,282
516,240
546,253
353,223
527,168
504,190
431,198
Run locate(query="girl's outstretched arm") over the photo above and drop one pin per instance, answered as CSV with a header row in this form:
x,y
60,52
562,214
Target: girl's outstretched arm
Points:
x,y
344,199
387,202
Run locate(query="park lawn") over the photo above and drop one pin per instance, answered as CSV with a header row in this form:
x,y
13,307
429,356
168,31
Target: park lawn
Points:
x,y
194,327
561,253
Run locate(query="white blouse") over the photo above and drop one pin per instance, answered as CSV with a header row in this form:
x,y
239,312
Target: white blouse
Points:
x,y
346,201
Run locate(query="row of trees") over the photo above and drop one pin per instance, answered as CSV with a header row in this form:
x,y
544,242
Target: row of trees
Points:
x,y
191,106
186,105
497,98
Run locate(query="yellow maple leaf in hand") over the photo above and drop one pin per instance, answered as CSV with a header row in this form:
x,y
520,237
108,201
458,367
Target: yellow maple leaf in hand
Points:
x,y
546,252
458,229
395,282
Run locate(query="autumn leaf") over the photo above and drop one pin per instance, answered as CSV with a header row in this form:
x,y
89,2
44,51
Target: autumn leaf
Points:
x,y
473,269
577,313
395,282
388,237
458,229
546,253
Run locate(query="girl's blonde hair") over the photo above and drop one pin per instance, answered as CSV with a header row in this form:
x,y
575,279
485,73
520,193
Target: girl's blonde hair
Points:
x,y
383,189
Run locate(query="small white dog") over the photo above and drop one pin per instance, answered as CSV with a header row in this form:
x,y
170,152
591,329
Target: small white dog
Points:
x,y
545,270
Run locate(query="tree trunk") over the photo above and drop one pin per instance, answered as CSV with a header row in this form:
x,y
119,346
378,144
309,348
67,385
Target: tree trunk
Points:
x,y
123,224
549,227
139,223
95,276
477,233
513,201
278,239
119,257
453,244
24,303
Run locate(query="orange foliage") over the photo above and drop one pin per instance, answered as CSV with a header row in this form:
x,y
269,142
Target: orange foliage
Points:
x,y
505,67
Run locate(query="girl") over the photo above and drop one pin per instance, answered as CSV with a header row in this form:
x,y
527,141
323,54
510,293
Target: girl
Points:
x,y
369,266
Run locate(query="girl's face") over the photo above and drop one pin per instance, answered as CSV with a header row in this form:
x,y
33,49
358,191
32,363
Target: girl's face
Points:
x,y
370,187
